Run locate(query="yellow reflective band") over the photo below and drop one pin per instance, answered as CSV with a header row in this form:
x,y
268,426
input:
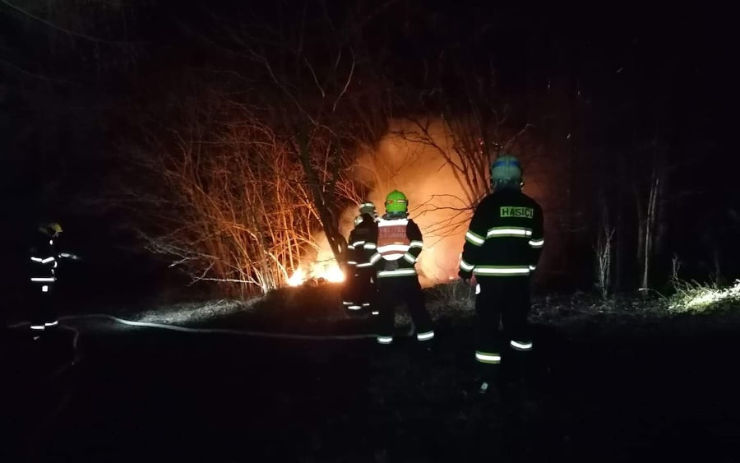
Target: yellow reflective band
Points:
x,y
501,271
393,247
425,336
385,339
485,357
475,239
521,345
392,223
396,273
537,243
509,231
466,266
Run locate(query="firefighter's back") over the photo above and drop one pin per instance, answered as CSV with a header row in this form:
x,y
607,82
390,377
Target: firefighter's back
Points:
x,y
510,221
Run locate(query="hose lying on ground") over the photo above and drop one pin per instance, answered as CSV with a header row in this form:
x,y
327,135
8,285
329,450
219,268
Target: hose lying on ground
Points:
x,y
229,331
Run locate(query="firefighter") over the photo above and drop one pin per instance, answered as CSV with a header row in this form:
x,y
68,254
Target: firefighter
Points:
x,y
399,243
502,248
45,261
359,290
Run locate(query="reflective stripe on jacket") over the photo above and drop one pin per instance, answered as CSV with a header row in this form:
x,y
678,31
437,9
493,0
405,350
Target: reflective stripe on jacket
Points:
x,y
361,244
400,242
505,236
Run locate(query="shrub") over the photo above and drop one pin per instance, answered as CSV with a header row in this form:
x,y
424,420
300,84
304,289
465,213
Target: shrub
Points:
x,y
697,297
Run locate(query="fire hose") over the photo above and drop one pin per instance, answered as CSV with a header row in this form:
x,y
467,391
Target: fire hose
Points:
x,y
227,331
61,369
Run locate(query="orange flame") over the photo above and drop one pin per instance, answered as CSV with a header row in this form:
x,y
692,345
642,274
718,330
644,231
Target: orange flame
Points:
x,y
331,273
326,271
298,278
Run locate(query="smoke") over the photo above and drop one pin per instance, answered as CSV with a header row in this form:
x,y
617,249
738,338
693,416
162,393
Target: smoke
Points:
x,y
437,201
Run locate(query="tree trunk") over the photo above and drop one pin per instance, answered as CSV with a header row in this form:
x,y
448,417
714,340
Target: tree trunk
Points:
x,y
649,228
604,248
337,243
641,227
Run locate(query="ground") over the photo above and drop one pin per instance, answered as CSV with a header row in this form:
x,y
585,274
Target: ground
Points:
x,y
602,386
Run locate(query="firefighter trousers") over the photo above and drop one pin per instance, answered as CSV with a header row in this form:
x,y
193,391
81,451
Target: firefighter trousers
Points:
x,y
43,313
359,292
393,291
502,305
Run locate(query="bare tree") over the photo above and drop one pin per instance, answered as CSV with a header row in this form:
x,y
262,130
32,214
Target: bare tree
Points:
x,y
604,248
468,125
229,203
318,93
648,201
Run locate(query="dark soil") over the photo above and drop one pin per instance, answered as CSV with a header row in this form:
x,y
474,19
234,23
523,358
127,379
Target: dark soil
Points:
x,y
648,391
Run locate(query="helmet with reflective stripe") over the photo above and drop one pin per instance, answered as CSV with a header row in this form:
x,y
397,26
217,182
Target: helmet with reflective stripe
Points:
x,y
506,170
50,228
367,208
396,202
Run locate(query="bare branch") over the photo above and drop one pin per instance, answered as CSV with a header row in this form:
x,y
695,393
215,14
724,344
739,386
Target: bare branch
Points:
x,y
61,29
346,84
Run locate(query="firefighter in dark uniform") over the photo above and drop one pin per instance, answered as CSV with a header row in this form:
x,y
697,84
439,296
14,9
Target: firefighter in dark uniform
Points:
x,y
502,247
399,243
359,292
45,262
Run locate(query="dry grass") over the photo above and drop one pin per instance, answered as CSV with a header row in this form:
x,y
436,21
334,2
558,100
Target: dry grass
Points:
x,y
698,298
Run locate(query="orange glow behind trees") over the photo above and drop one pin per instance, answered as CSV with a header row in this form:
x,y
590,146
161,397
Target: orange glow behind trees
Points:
x,y
233,205
426,165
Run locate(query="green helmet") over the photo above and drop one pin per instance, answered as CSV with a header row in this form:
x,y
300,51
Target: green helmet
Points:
x,y
396,202
50,228
506,170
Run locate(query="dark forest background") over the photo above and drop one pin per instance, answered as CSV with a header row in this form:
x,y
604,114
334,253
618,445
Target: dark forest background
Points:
x,y
629,106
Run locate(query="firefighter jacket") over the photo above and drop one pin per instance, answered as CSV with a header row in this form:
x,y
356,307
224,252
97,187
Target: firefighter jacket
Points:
x,y
505,237
398,246
45,260
362,242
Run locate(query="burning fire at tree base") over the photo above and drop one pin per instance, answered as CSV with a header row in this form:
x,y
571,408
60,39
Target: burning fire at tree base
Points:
x,y
319,273
323,269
